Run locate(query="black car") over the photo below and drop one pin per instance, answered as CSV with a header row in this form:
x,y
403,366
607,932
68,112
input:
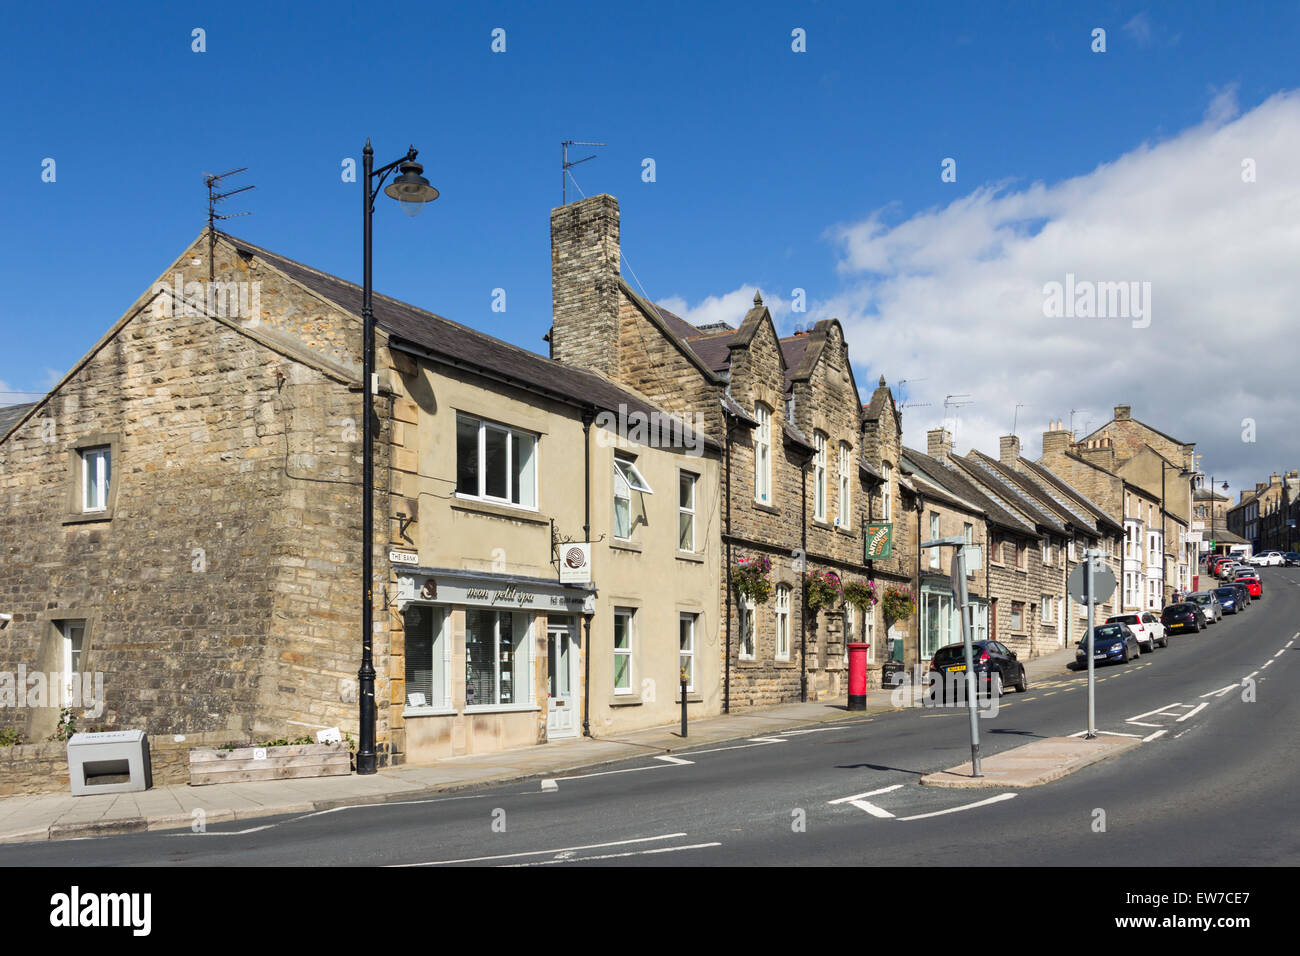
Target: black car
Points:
x,y
1111,642
1243,593
1187,616
1292,558
1230,599
995,666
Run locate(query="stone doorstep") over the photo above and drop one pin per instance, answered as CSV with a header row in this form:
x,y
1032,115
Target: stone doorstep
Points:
x,y
1054,758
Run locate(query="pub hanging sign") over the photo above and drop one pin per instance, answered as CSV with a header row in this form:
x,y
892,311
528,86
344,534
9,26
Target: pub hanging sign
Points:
x,y
880,541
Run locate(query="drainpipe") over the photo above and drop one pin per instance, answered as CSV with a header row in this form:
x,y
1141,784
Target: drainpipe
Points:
x,y
916,592
588,416
726,677
803,595
1123,548
988,592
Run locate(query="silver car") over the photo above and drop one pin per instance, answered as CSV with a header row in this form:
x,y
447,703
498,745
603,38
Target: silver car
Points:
x,y
1209,603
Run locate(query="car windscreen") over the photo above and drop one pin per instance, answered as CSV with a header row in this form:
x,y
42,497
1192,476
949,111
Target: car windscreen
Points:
x,y
954,653
1180,609
1221,593
1107,632
1125,619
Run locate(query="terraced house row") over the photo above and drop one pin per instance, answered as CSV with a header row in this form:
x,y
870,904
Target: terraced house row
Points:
x,y
182,513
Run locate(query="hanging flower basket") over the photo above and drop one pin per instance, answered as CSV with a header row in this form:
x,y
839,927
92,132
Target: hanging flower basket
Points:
x,y
822,589
898,603
751,577
861,594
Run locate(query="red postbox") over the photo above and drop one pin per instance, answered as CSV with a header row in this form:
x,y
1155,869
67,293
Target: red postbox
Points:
x,y
858,675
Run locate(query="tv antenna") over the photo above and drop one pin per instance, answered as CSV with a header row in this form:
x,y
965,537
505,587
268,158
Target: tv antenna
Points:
x,y
214,183
566,165
954,401
903,382
1016,418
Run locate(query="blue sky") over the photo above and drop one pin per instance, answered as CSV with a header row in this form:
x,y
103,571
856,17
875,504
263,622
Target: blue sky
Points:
x,y
766,161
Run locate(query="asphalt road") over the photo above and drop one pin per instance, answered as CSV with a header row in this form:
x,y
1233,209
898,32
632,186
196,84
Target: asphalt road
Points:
x,y
1214,784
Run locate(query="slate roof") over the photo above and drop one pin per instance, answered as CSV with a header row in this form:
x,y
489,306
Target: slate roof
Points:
x,y
997,484
1056,504
461,345
11,414
1050,478
963,487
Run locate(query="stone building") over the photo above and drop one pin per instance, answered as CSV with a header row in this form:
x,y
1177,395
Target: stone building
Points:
x,y
1091,468
182,514
805,464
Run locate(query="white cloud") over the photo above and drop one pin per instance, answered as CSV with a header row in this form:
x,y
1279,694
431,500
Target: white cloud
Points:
x,y
954,295
730,307
1139,28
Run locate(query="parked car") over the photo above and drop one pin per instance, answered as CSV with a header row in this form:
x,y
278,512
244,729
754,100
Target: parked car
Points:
x,y
1209,603
1146,628
1229,599
1188,616
995,665
1292,558
1243,594
1110,643
1267,559
1253,585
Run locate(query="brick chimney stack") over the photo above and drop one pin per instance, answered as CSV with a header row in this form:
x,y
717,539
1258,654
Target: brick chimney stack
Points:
x,y
938,443
585,263
1008,449
1123,413
1056,440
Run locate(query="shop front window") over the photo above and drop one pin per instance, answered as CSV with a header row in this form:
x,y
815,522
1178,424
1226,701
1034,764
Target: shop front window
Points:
x,y
497,666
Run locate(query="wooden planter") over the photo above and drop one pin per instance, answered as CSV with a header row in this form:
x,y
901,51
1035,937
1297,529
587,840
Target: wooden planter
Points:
x,y
269,763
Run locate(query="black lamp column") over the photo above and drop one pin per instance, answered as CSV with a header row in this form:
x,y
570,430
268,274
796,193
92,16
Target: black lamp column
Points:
x,y
413,190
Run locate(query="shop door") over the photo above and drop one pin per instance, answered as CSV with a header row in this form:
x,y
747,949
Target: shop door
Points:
x,y
562,672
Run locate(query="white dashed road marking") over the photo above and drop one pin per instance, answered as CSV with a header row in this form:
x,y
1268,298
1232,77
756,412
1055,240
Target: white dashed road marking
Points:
x,y
1194,711
568,849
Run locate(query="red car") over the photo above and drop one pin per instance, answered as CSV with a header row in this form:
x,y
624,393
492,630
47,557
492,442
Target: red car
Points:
x,y
1253,586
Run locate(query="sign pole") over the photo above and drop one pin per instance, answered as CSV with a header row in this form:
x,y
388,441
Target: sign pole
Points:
x,y
1089,593
964,598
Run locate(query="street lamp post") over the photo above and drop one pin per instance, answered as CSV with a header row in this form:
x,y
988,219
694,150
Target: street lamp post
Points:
x,y
413,191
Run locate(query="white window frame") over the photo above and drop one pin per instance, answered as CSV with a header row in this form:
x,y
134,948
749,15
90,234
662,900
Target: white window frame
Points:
x,y
886,492
1012,619
441,639
845,502
94,495
686,512
763,454
869,633
1045,609
1047,551
627,479
73,649
746,609
628,614
782,616
484,425
935,556
819,476
686,656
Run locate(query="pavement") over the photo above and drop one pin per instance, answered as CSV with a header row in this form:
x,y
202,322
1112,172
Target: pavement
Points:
x,y
56,816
